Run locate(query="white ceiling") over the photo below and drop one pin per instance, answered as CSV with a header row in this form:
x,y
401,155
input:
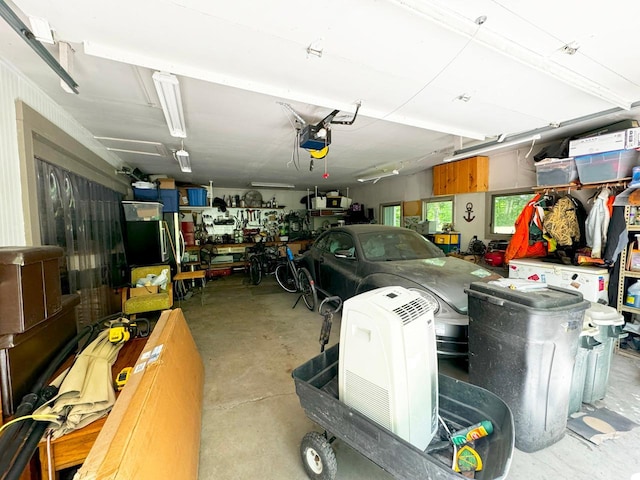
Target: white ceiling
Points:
x,y
406,61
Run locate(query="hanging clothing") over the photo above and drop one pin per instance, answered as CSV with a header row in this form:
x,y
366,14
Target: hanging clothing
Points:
x,y
597,223
521,244
562,222
617,236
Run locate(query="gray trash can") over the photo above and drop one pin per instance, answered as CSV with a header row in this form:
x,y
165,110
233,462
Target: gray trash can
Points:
x,y
586,344
609,324
522,347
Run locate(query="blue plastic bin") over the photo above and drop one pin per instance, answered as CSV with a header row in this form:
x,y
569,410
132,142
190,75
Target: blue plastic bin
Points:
x,y
169,200
145,194
197,197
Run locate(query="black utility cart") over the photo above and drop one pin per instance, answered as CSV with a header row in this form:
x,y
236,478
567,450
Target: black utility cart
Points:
x,y
460,405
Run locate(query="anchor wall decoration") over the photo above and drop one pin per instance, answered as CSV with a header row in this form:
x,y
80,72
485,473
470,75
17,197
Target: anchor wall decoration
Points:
x,y
469,208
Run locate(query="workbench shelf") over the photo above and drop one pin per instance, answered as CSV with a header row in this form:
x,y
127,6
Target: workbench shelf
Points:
x,y
187,208
328,212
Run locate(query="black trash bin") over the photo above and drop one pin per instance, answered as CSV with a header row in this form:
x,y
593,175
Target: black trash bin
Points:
x,y
522,347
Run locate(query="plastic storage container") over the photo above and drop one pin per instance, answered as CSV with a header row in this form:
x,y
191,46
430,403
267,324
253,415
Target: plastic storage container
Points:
x,y
522,347
609,325
142,211
145,194
608,166
197,197
632,297
556,171
169,200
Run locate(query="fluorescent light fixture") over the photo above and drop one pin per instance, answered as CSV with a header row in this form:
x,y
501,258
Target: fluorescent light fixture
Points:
x,y
168,89
271,185
139,152
378,176
115,139
182,156
486,148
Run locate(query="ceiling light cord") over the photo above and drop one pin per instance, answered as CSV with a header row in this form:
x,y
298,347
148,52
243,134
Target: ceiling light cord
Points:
x,y
533,142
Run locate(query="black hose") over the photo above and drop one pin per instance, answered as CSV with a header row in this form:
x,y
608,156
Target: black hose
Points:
x,y
10,438
28,447
19,441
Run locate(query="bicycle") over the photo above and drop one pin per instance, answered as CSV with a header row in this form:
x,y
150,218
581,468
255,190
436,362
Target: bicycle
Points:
x,y
296,279
264,261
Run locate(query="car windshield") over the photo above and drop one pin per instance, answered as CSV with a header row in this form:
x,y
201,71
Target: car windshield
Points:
x,y
397,245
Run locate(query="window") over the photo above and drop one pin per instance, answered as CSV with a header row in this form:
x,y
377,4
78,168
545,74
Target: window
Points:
x,y
440,212
505,209
391,215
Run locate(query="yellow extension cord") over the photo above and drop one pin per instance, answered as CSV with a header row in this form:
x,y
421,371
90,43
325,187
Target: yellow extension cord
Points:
x,y
40,418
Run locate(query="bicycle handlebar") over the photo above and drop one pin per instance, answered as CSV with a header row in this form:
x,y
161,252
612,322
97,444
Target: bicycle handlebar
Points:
x,y
335,298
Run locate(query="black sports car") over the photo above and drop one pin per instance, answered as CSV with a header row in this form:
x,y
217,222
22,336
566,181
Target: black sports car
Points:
x,y
349,260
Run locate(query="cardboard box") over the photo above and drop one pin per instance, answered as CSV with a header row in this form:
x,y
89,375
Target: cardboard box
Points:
x,y
184,196
167,183
137,291
319,202
621,140
154,428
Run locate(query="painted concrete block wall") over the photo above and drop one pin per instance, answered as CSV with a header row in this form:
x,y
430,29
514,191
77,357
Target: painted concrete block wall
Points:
x,y
14,85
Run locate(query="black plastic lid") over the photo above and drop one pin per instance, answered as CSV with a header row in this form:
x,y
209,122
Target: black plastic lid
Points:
x,y
550,297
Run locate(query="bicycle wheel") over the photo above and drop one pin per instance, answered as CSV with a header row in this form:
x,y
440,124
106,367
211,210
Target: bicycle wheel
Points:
x,y
307,288
285,278
255,270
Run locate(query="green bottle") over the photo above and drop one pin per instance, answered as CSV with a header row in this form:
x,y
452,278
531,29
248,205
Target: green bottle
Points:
x,y
469,434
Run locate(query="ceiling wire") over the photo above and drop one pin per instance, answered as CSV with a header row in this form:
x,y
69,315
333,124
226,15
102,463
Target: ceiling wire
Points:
x,y
433,79
295,155
564,42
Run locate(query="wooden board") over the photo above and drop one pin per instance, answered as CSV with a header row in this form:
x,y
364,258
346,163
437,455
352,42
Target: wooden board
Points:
x,y
412,208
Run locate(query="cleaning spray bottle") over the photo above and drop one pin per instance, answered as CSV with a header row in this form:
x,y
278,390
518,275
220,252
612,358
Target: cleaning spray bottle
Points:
x,y
469,434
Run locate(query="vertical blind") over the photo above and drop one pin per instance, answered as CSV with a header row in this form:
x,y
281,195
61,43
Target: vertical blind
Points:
x,y
83,217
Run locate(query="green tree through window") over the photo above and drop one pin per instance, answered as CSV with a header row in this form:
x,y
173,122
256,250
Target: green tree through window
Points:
x,y
440,213
505,210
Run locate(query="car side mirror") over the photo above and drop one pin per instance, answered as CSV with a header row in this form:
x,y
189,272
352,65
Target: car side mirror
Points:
x,y
348,254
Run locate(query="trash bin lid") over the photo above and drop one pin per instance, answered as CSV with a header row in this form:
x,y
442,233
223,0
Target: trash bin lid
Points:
x,y
599,314
541,298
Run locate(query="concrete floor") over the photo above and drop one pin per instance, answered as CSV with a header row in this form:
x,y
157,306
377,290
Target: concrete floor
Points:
x,y
250,339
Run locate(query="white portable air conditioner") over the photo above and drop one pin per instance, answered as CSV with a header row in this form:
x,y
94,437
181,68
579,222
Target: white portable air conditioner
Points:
x,y
388,366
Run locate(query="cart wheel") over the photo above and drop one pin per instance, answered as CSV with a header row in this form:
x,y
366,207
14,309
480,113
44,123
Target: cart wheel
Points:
x,y
318,457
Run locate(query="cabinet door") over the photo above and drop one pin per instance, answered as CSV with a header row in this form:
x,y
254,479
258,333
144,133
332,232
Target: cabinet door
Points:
x,y
464,176
439,179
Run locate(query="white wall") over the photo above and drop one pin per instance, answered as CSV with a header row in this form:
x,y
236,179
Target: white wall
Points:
x,y
13,86
393,189
507,170
512,170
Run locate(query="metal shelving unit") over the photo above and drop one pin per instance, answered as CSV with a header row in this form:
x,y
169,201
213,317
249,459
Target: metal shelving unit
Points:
x,y
624,273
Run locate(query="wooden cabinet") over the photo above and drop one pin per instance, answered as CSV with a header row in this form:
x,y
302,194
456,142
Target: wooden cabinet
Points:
x,y
464,176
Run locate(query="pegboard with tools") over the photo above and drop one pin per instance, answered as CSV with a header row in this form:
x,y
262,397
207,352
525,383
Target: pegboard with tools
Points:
x,y
247,224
